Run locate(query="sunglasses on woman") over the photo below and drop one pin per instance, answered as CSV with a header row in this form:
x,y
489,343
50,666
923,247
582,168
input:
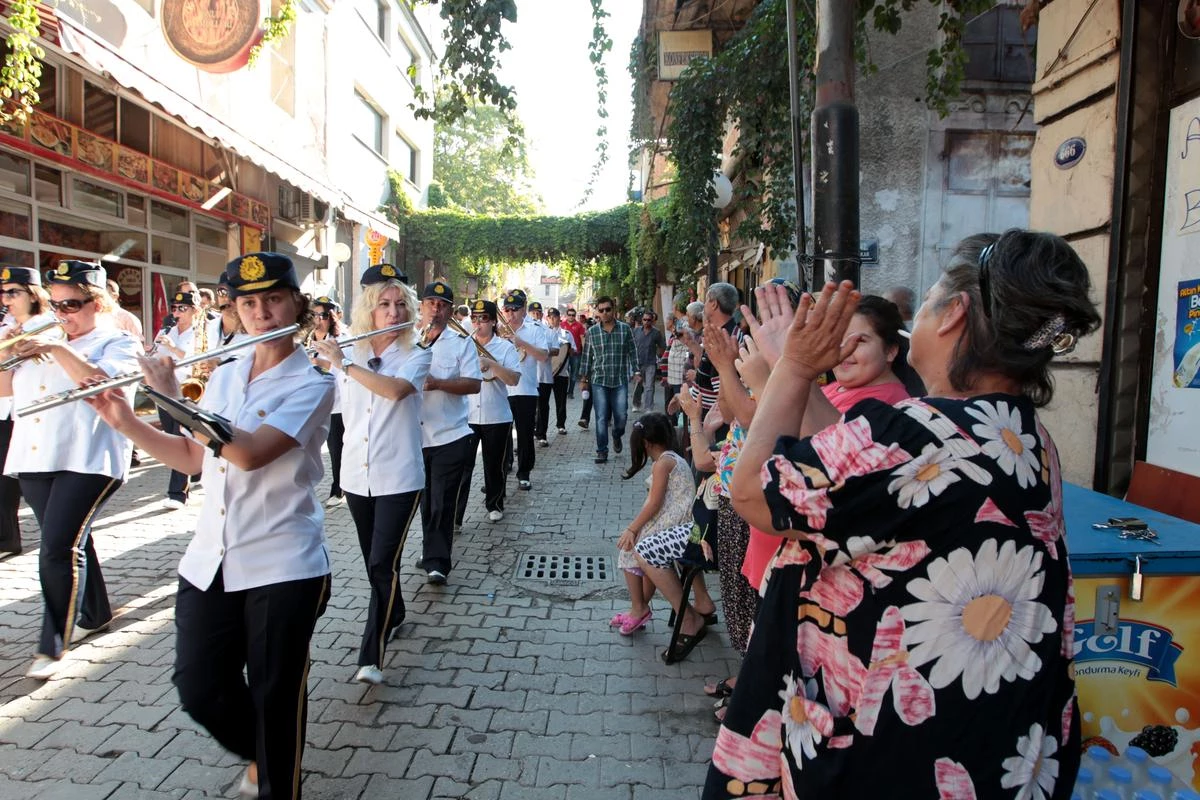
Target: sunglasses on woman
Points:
x,y
323,315
13,292
181,308
67,306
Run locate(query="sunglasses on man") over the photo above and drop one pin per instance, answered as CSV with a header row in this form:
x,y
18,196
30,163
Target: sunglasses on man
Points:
x,y
604,310
182,308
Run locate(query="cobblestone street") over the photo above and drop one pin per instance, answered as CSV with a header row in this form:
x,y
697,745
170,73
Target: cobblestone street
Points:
x,y
497,686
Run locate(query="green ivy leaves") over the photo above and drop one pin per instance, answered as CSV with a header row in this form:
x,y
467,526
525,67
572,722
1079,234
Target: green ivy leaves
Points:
x,y
22,71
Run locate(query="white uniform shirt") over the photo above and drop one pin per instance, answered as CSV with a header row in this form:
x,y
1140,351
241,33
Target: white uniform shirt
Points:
x,y
185,341
264,526
536,336
381,451
543,367
490,406
8,323
72,437
566,343
444,415
340,381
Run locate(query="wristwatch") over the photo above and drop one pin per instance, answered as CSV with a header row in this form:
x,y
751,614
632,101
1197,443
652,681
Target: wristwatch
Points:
x,y
347,363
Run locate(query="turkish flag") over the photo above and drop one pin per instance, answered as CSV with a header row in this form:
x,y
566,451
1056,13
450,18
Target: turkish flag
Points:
x,y
158,293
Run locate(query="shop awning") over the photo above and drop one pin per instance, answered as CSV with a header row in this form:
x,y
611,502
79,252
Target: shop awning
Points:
x,y
80,42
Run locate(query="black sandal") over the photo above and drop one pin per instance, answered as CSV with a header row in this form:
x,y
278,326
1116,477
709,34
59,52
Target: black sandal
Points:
x,y
720,690
684,645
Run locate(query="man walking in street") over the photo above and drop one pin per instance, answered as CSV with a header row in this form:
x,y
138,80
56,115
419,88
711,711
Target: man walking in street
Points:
x,y
576,329
649,345
534,342
558,370
545,375
609,361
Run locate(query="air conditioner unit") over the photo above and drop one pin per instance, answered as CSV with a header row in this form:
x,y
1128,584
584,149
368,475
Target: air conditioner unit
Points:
x,y
299,207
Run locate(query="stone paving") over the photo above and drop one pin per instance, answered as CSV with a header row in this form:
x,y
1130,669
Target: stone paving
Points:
x,y
497,686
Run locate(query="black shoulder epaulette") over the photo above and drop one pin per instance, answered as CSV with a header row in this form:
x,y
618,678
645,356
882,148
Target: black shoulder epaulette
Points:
x,y
321,370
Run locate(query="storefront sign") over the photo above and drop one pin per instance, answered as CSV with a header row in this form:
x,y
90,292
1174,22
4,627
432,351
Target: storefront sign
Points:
x,y
1173,437
375,242
868,251
1070,152
676,49
214,35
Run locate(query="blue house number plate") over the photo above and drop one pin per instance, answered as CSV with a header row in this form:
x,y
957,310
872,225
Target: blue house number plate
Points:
x,y
1070,152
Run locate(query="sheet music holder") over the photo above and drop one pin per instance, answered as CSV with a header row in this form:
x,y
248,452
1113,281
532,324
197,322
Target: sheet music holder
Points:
x,y
213,426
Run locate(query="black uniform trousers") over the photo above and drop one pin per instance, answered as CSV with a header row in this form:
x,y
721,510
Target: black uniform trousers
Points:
x,y
444,465
561,384
493,441
178,485
337,431
542,420
10,497
382,523
524,408
266,631
73,591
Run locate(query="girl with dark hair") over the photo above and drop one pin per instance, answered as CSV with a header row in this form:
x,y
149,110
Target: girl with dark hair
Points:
x,y
668,503
327,324
924,581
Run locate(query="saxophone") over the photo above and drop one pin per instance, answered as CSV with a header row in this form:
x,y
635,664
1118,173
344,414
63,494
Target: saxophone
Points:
x,y
193,387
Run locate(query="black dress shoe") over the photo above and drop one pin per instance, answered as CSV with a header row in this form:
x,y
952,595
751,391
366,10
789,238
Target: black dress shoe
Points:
x,y
617,446
601,458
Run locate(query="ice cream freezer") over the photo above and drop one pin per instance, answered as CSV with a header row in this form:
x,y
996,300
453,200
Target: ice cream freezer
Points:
x,y
1137,632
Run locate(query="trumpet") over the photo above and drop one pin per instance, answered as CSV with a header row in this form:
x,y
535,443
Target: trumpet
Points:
x,y
116,382
345,341
14,361
482,351
509,332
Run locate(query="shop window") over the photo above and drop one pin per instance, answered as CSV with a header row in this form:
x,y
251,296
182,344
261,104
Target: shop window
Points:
x,y
99,111
211,235
48,90
170,252
16,258
996,48
406,159
368,124
88,196
168,219
47,185
14,220
101,240
135,127
136,206
14,174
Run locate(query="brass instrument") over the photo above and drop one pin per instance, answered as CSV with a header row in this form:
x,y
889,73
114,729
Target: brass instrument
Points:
x,y
480,350
193,387
500,321
14,361
116,382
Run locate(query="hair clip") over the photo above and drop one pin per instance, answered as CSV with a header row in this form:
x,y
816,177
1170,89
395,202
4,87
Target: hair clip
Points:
x,y
637,424
1051,334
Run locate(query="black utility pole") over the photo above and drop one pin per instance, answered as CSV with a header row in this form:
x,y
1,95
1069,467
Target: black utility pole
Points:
x,y
797,144
835,147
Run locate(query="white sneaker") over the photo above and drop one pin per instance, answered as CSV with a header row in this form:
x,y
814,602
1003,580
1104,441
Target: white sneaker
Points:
x,y
335,501
246,786
80,633
171,504
369,674
43,668
495,516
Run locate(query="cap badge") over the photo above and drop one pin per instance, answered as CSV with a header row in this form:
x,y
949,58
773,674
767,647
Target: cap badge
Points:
x,y
63,268
252,268
387,271
5,274
439,289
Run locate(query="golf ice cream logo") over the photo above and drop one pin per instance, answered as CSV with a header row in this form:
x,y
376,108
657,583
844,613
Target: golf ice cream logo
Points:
x,y
1148,647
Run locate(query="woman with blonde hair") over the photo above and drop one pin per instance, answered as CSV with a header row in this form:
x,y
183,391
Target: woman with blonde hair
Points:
x,y
382,467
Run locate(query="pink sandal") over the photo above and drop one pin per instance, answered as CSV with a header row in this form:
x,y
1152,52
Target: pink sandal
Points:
x,y
633,625
618,620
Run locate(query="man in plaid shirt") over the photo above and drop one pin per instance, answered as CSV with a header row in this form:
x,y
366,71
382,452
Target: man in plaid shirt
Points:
x,y
609,361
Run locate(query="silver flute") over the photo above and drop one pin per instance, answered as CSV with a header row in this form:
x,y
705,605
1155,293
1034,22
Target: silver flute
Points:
x,y
343,341
117,381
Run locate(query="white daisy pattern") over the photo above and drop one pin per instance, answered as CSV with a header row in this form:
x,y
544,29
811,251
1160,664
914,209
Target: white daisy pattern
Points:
x,y
1000,426
1034,770
977,616
805,722
930,474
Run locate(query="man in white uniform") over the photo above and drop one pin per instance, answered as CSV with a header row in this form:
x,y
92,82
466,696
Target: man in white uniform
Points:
x,y
448,441
179,343
531,340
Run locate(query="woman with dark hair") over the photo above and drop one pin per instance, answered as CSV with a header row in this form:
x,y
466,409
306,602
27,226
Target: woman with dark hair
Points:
x,y
668,503
255,577
327,324
916,630
27,307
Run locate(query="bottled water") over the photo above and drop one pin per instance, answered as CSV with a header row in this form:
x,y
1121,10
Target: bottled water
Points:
x,y
1160,779
1099,759
1121,780
1085,783
1147,794
1185,794
1138,762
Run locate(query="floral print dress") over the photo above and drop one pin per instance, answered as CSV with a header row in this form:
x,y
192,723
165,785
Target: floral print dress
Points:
x,y
918,642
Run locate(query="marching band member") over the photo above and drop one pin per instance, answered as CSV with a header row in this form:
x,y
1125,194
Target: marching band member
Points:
x,y
545,375
226,328
382,471
255,577
532,341
328,325
449,442
559,368
27,306
180,342
490,414
68,462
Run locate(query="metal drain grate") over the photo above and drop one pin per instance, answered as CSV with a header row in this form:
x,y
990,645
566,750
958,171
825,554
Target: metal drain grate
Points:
x,y
563,568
